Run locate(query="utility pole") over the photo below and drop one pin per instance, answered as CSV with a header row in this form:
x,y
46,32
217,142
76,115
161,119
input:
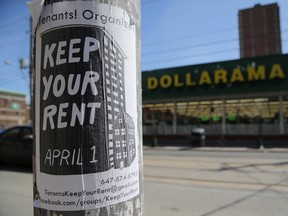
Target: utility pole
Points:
x,y
87,108
31,69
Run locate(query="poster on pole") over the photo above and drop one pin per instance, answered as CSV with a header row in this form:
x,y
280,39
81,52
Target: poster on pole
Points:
x,y
86,118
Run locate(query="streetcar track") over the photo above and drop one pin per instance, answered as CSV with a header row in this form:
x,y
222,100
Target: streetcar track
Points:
x,y
215,170
215,183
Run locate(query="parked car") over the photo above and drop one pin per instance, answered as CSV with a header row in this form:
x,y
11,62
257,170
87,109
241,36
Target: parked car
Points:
x,y
16,145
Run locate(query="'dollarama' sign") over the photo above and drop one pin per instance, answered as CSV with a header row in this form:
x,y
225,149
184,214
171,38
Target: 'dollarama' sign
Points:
x,y
249,76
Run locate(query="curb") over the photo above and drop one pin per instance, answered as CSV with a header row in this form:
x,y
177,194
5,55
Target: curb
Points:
x,y
218,149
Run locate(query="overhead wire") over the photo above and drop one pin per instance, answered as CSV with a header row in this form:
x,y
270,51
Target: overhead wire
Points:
x,y
149,2
11,22
208,44
189,47
11,32
187,37
190,56
13,42
24,77
198,55
10,79
7,74
197,46
203,34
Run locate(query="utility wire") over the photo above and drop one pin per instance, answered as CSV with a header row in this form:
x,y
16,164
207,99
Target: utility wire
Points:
x,y
149,2
5,79
13,42
24,77
198,55
11,31
187,37
13,77
11,22
10,79
207,44
203,34
189,47
191,56
7,75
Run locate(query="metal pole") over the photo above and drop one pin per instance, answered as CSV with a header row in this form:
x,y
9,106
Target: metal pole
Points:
x,y
87,105
175,118
223,117
31,70
281,115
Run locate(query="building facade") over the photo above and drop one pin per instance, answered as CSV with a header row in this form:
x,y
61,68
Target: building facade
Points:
x,y
13,109
259,31
241,97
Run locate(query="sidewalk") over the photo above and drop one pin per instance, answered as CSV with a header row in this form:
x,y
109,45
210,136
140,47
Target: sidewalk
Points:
x,y
217,149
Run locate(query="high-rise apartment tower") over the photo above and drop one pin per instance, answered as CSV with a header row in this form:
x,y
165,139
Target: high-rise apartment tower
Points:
x,y
259,29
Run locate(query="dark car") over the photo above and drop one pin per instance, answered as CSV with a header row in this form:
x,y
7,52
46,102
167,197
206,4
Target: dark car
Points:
x,y
16,145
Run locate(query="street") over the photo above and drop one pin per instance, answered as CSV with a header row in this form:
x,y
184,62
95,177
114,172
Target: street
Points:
x,y
203,183
15,192
187,182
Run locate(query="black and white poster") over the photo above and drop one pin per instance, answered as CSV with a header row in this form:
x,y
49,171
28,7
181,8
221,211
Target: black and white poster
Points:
x,y
85,131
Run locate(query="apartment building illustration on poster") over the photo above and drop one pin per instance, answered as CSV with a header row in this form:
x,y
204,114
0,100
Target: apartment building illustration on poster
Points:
x,y
121,129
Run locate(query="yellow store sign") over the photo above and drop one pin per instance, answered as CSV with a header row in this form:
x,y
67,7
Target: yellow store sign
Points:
x,y
217,77
244,76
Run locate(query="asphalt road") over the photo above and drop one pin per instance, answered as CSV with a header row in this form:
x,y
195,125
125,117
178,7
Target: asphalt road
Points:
x,y
187,183
219,183
15,191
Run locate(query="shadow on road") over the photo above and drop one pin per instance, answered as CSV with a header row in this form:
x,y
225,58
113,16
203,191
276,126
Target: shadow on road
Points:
x,y
16,168
226,168
268,187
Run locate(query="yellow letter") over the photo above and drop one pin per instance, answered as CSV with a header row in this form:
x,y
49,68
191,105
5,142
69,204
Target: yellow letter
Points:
x,y
176,81
165,81
189,82
152,83
205,78
220,75
256,75
277,72
237,76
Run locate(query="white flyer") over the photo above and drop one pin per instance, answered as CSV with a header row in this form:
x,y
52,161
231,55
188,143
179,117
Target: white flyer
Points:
x,y
85,107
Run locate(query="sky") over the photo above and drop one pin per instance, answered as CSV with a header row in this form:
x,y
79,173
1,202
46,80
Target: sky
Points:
x,y
174,33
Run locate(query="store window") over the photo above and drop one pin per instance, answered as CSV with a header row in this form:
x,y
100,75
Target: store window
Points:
x,y
262,114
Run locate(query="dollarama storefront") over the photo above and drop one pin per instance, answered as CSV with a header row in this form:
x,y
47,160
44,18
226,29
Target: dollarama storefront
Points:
x,y
239,97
